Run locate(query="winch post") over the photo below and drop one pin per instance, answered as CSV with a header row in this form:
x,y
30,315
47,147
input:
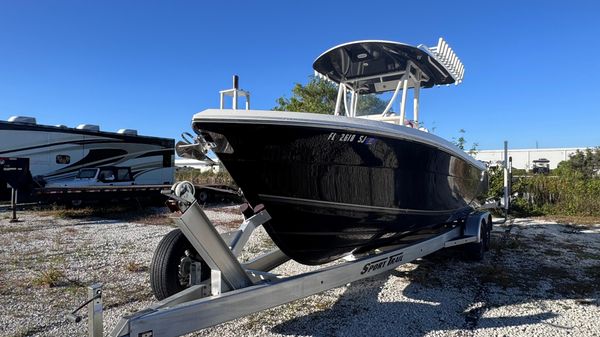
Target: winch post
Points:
x,y
13,205
234,92
95,327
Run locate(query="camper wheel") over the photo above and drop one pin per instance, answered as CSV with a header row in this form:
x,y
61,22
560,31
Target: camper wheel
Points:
x,y
203,196
171,264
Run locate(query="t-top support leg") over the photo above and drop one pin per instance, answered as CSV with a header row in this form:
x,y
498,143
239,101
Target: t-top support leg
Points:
x,y
416,91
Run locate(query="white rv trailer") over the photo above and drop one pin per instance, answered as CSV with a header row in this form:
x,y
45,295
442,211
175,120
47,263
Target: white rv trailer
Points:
x,y
57,153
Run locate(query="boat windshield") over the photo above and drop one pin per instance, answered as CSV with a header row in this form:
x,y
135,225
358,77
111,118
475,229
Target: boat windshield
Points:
x,y
86,173
372,104
382,105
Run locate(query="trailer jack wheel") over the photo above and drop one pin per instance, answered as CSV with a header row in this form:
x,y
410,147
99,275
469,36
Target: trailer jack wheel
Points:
x,y
476,250
171,264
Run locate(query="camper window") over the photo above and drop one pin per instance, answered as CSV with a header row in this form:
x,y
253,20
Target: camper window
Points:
x,y
106,175
124,174
63,159
86,173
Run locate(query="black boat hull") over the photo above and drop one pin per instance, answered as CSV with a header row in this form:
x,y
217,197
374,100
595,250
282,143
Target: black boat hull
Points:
x,y
330,192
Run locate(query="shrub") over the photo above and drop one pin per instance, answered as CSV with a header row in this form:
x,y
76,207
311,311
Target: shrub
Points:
x,y
198,177
573,189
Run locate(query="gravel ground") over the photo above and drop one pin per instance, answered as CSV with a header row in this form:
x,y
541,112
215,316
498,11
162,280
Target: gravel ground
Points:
x,y
539,279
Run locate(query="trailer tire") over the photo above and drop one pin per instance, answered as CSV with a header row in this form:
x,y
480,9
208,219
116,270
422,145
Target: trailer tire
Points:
x,y
166,278
475,251
488,234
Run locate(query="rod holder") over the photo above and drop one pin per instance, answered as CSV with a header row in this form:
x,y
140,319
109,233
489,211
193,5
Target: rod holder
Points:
x,y
234,92
236,80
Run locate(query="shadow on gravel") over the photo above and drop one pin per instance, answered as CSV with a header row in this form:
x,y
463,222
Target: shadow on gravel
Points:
x,y
360,312
447,293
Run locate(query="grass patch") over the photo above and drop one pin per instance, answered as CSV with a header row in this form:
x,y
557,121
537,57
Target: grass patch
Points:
x,y
581,252
234,224
16,229
50,278
70,231
496,274
229,210
129,213
135,267
506,241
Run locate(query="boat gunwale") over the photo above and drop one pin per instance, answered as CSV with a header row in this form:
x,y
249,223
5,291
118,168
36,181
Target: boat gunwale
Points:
x,y
321,121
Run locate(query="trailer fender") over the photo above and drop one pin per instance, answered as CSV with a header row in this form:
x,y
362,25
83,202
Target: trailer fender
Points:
x,y
473,224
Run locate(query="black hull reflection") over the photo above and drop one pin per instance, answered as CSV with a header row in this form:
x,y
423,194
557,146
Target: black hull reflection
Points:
x,y
331,192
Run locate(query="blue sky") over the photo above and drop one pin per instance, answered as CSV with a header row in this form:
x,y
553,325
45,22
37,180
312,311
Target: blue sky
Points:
x,y
531,66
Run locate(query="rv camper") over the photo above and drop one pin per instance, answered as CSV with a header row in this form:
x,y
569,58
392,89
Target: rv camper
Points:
x,y
58,153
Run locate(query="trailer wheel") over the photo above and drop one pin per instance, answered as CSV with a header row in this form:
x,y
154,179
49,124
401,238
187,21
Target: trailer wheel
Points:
x,y
170,266
488,235
476,250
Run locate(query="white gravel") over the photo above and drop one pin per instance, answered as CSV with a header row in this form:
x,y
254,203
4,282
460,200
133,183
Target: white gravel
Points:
x,y
539,279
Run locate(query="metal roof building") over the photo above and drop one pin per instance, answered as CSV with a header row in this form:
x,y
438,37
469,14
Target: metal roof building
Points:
x,y
201,165
523,158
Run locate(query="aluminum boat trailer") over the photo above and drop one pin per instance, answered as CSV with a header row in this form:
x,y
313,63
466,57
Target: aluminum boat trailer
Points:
x,y
234,289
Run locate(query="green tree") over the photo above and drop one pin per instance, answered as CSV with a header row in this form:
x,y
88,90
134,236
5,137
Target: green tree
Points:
x,y
370,104
461,143
586,163
317,96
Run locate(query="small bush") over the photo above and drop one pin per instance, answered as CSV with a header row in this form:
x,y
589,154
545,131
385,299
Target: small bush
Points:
x,y
198,177
50,278
135,267
573,189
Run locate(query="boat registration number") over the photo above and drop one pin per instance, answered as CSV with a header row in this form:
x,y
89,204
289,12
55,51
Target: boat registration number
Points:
x,y
350,138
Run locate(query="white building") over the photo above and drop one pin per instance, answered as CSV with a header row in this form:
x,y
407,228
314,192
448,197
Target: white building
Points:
x,y
201,165
523,158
